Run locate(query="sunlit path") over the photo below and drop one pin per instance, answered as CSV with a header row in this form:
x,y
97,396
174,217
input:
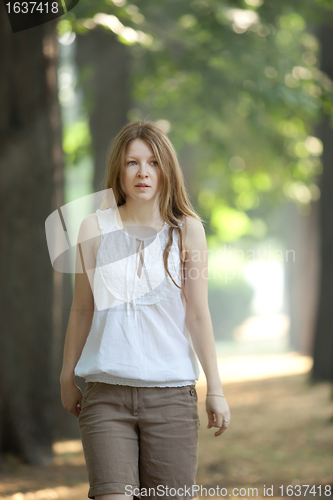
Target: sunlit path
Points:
x,y
254,367
281,434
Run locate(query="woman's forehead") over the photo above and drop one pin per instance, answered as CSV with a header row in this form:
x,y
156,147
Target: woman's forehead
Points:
x,y
139,146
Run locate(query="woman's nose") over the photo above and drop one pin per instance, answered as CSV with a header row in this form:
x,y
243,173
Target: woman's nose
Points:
x,y
142,168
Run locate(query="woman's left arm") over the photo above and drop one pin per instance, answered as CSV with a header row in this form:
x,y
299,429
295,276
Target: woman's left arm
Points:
x,y
199,323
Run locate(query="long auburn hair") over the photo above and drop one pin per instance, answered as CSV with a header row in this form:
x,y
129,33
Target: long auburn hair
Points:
x,y
174,203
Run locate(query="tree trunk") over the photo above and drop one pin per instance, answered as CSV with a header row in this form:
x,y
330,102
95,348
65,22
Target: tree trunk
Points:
x,y
31,187
323,342
107,93
302,276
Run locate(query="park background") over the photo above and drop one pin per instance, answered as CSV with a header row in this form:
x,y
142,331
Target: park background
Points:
x,y
244,90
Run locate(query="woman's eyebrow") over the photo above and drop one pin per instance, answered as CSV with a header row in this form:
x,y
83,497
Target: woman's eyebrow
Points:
x,y
131,156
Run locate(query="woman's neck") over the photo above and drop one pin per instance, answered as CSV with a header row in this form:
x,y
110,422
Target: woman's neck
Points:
x,y
142,215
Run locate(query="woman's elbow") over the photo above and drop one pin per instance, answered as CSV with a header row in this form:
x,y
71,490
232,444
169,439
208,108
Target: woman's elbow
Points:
x,y
197,313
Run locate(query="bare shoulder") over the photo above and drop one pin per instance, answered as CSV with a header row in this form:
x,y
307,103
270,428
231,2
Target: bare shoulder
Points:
x,y
89,228
90,233
195,236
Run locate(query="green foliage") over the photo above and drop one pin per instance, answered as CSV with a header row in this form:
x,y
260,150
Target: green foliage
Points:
x,y
229,224
239,82
76,142
244,86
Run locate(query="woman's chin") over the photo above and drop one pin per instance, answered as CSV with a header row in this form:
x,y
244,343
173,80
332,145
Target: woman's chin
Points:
x,y
142,197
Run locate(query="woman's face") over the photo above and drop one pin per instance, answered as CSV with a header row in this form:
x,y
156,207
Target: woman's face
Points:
x,y
141,167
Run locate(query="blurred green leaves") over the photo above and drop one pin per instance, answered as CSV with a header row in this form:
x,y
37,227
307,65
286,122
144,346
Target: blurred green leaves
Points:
x,y
238,81
229,224
76,142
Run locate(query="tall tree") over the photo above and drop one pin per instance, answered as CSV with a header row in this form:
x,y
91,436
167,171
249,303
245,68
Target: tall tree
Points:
x,y
323,342
31,187
107,92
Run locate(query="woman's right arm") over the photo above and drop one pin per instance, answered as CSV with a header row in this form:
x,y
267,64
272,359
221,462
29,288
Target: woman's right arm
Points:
x,y
81,314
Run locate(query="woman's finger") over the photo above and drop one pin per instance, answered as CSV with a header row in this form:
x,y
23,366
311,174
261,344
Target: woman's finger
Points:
x,y
223,428
211,420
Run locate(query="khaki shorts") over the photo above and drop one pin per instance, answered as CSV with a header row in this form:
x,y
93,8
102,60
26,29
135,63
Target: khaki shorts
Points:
x,y
140,441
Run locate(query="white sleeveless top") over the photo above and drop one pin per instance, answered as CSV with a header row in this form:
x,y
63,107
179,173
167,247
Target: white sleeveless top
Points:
x,y
138,335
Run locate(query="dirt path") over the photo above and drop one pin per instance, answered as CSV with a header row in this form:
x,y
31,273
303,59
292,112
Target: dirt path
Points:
x,y
281,434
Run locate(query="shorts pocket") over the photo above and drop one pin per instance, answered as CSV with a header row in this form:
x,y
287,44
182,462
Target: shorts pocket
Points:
x,y
89,389
190,392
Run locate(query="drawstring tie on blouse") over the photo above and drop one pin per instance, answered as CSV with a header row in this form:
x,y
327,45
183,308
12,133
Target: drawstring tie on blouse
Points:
x,y
134,307
134,282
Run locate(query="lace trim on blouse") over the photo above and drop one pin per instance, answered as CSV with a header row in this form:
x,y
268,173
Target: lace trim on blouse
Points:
x,y
111,379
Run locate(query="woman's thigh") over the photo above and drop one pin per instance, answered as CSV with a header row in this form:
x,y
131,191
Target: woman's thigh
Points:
x,y
110,439
169,429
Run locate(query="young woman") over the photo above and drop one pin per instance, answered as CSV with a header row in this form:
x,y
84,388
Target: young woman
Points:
x,y
133,337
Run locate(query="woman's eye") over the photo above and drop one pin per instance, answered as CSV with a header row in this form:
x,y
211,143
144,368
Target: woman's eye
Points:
x,y
133,161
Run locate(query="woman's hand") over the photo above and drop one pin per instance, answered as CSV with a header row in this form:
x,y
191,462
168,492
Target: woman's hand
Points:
x,y
71,396
218,411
